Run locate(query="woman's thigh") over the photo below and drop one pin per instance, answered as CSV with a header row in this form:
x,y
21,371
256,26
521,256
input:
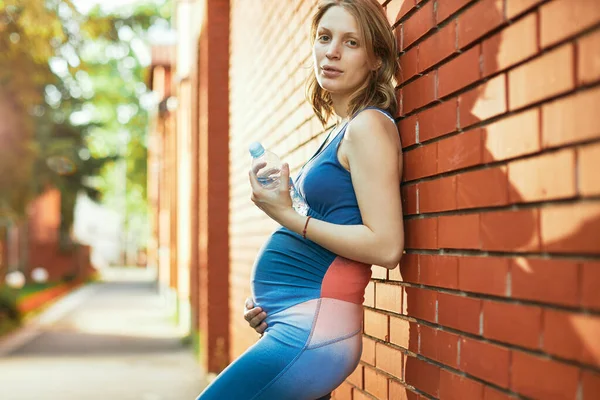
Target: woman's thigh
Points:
x,y
252,372
316,372
308,350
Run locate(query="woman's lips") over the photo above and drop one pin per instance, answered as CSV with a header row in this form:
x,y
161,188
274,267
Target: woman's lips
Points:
x,y
330,72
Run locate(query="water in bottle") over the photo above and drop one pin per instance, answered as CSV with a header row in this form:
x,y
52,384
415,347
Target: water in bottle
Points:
x,y
269,175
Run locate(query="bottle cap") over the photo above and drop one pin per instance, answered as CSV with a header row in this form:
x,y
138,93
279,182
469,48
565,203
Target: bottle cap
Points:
x,y
256,149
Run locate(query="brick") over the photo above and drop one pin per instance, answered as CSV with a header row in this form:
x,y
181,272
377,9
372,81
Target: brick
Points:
x,y
408,130
540,378
459,312
545,177
456,387
561,19
388,359
510,230
409,199
437,195
571,228
447,348
420,162
483,188
485,361
460,151
419,93
397,391
418,25
356,377
409,64
400,100
378,272
512,323
516,7
545,280
409,268
421,233
590,282
572,336
571,119
370,295
376,324
438,120
499,51
376,383
482,102
546,76
445,8
489,393
421,303
428,344
343,392
397,9
588,58
590,382
422,376
388,297
483,17
588,158
459,72
440,271
459,232
358,395
404,334
395,275
439,345
368,353
438,47
483,275
511,137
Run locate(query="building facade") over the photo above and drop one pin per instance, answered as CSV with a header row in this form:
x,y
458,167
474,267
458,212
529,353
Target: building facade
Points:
x,y
496,296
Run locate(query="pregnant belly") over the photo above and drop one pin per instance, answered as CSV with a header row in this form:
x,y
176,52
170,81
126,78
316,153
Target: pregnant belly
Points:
x,y
290,270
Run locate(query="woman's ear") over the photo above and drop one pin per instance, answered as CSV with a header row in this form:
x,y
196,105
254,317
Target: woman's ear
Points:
x,y
377,65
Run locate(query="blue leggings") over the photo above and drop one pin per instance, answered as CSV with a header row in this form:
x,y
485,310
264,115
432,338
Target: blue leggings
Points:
x,y
307,351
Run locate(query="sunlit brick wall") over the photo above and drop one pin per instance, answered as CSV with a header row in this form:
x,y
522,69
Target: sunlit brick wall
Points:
x,y
270,59
497,295
500,130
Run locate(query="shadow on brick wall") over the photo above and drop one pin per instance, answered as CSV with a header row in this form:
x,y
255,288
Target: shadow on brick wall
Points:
x,y
532,239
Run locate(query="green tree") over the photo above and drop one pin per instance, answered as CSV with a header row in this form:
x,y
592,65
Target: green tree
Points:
x,y
72,91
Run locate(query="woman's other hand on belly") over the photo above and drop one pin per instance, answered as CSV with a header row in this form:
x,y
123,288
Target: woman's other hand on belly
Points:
x,y
255,316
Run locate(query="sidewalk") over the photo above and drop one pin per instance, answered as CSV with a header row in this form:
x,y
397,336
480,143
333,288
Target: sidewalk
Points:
x,y
108,340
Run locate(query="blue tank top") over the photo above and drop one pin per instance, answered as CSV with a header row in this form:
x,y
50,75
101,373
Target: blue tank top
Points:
x,y
290,269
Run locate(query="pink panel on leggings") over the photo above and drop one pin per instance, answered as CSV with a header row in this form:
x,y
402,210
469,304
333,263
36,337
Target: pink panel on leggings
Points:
x,y
346,280
336,320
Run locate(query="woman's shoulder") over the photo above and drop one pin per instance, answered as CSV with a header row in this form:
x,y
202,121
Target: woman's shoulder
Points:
x,y
371,123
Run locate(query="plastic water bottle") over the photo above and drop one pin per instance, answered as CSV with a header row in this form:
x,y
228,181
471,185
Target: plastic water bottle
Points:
x,y
269,175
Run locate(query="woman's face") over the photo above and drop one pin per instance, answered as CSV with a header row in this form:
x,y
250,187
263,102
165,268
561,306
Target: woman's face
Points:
x,y
339,54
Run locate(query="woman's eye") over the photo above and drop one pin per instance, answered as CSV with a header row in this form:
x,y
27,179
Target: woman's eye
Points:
x,y
353,43
323,38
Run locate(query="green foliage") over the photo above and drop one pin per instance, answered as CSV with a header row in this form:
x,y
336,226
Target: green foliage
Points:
x,y
73,102
8,304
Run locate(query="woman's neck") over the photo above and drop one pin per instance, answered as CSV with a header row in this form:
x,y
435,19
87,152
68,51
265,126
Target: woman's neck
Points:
x,y
340,107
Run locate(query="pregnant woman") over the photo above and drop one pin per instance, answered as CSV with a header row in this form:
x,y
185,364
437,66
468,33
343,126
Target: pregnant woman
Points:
x,y
310,276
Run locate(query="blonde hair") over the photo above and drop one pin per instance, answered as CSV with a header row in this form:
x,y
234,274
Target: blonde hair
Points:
x,y
379,89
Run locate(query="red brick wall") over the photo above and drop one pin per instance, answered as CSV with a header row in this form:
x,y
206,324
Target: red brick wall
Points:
x,y
213,191
502,226
269,53
497,295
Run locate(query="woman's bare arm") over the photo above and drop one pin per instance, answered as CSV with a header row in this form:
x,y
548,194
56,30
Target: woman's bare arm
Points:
x,y
374,158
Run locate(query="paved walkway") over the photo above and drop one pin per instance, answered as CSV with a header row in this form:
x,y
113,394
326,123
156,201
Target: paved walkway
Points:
x,y
109,340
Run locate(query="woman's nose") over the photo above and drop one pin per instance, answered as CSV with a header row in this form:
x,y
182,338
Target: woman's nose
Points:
x,y
333,51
